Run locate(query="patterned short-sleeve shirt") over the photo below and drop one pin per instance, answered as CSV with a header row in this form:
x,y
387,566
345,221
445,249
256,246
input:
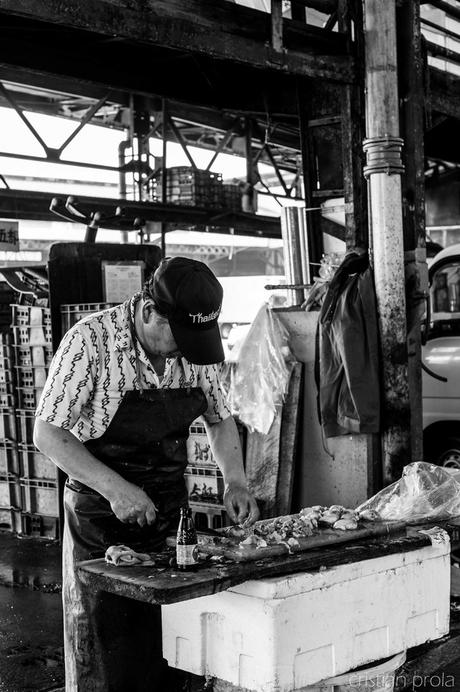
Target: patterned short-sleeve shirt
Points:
x,y
97,362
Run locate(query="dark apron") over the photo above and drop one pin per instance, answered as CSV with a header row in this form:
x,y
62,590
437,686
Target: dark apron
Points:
x,y
146,444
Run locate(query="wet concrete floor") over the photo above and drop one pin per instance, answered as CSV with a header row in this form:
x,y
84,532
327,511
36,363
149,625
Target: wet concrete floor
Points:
x,y
31,653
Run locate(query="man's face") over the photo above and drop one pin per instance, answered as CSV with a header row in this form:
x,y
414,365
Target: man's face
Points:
x,y
158,337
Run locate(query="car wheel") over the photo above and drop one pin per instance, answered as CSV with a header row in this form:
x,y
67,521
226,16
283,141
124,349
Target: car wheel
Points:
x,y
449,455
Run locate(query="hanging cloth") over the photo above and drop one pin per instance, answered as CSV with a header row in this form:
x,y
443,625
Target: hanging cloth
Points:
x,y
348,356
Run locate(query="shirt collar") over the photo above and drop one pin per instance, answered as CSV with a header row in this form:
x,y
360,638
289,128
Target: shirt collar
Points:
x,y
123,336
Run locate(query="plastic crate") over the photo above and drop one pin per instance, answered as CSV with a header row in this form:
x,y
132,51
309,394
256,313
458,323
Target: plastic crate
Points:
x,y
71,313
25,421
10,520
28,397
33,376
198,448
204,485
6,375
10,492
189,186
30,315
6,400
231,195
39,526
34,464
6,388
8,430
39,335
39,497
28,356
6,354
9,460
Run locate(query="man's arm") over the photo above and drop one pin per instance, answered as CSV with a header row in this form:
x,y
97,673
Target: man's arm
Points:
x,y
129,502
226,448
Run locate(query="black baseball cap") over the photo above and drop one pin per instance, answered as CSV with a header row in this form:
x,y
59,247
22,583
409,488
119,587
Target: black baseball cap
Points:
x,y
189,295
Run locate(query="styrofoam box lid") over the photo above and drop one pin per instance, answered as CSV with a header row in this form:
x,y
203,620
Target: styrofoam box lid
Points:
x,y
292,585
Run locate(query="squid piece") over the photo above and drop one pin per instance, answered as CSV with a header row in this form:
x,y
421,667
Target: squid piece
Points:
x,y
346,525
328,520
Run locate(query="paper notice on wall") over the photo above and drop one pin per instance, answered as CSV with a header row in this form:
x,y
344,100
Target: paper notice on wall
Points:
x,y
121,280
9,235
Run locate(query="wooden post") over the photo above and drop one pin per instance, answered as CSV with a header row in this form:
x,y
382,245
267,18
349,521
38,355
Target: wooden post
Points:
x,y
411,89
384,168
352,111
277,24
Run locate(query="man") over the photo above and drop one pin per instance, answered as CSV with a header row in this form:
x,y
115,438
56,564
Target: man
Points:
x,y
122,390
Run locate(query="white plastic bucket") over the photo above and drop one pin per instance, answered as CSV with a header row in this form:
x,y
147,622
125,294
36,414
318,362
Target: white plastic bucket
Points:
x,y
377,677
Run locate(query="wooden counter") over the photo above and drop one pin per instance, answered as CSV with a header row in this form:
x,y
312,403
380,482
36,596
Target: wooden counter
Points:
x,y
162,584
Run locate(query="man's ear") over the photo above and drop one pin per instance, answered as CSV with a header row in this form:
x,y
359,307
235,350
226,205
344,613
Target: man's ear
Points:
x,y
148,310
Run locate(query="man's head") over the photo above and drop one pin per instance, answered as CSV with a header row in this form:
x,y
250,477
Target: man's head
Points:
x,y
186,293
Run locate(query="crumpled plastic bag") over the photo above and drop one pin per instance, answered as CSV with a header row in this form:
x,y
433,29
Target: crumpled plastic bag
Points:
x,y
424,491
257,382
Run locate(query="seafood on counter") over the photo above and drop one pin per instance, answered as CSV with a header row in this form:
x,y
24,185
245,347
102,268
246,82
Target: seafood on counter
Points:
x,y
287,530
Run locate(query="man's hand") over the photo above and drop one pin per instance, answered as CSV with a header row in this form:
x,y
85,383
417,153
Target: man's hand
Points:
x,y
131,504
240,504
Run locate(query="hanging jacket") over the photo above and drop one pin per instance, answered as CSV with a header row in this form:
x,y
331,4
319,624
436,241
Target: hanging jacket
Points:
x,y
348,359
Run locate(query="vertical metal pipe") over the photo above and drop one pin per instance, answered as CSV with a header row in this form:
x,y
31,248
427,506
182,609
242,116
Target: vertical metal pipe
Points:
x,y
164,173
303,241
294,250
122,179
315,234
383,170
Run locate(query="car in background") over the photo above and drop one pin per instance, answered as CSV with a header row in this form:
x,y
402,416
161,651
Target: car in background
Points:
x,y
441,355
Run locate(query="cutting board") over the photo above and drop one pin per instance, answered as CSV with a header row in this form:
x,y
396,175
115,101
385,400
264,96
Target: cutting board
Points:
x,y
321,538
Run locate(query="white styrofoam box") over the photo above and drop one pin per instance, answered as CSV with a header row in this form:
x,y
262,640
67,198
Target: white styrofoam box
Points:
x,y
284,633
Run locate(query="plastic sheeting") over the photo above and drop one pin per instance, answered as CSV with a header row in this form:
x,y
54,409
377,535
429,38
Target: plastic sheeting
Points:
x,y
257,383
424,491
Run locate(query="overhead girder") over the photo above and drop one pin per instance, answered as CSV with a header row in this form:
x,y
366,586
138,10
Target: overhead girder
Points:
x,y
175,28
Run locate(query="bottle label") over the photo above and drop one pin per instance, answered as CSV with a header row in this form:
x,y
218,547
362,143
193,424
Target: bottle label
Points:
x,y
187,554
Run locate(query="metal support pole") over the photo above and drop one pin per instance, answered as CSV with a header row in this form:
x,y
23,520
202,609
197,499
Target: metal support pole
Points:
x,y
164,172
383,170
122,179
249,200
295,250
315,234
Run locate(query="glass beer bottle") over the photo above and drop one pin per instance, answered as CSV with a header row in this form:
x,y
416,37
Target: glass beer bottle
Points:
x,y
186,544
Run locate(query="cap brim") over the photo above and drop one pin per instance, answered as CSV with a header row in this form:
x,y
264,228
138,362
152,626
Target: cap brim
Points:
x,y
199,346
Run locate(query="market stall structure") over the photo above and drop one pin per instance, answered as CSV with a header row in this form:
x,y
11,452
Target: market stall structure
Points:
x,y
306,74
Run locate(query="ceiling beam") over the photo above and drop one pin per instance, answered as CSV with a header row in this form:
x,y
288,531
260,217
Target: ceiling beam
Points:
x,y
221,30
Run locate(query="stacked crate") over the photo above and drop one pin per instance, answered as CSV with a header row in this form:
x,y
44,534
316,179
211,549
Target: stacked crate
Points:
x,y
71,313
204,481
31,331
189,186
10,491
232,196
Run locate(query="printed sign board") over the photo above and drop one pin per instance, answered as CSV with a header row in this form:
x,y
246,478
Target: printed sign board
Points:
x,y
9,235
